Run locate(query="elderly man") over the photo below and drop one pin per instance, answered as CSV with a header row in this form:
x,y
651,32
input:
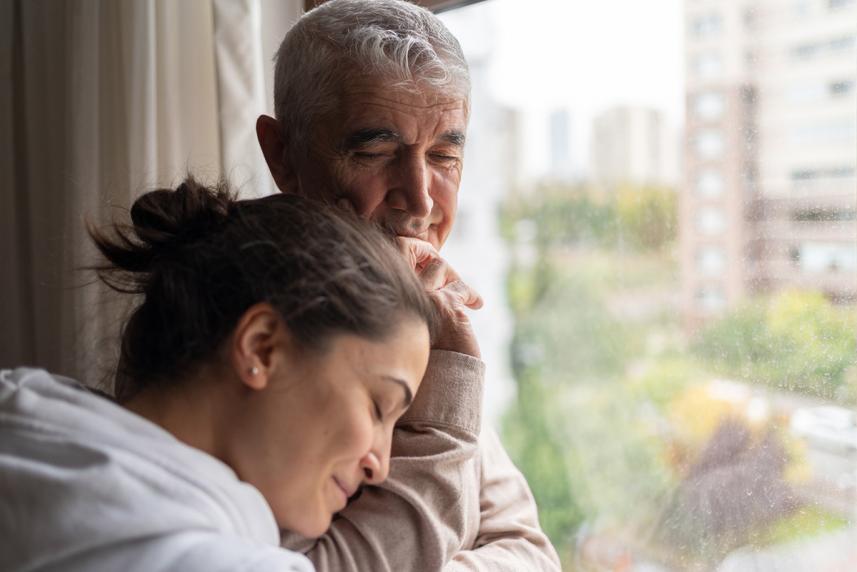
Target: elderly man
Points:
x,y
371,102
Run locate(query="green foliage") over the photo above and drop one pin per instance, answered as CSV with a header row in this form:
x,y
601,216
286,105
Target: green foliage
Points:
x,y
647,217
804,523
616,460
571,337
529,432
639,218
562,215
665,380
796,341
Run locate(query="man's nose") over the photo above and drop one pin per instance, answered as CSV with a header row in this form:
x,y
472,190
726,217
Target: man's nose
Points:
x,y
412,192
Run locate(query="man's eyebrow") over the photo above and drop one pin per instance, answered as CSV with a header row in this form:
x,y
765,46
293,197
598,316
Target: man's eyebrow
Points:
x,y
454,137
363,137
409,396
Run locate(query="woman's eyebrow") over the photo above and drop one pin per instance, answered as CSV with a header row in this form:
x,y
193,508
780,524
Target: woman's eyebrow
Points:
x,y
409,396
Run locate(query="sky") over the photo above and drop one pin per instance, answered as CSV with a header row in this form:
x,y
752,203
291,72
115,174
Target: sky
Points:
x,y
582,55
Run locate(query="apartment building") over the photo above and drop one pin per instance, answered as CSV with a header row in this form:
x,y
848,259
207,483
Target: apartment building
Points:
x,y
769,192
634,145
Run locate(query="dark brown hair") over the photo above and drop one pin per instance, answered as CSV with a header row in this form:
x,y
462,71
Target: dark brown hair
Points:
x,y
200,258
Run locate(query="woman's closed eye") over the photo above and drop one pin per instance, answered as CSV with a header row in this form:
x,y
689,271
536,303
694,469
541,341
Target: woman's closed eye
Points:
x,y
378,412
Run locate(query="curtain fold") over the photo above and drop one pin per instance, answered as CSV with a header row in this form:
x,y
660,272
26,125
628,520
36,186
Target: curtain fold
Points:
x,y
100,101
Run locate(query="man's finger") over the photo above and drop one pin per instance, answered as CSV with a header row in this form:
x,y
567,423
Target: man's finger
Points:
x,y
435,275
465,294
418,252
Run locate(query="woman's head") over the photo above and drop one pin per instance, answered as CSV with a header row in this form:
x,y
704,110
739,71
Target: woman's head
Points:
x,y
297,332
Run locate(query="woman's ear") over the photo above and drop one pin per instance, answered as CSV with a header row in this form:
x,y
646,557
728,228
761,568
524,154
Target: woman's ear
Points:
x,y
274,146
258,337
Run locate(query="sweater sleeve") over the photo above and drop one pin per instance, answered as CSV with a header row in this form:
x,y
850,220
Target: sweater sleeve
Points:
x,y
428,508
509,538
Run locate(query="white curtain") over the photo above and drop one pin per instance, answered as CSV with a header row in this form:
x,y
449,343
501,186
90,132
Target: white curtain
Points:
x,y
101,100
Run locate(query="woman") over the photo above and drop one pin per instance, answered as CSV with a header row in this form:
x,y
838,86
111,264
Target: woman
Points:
x,y
274,347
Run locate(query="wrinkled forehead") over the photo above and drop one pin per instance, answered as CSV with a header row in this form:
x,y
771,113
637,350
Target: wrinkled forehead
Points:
x,y
365,99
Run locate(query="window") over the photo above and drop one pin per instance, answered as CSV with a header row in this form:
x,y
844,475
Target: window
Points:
x,y
827,132
711,260
840,88
709,183
710,299
709,144
841,172
707,25
806,92
824,215
818,257
711,221
709,106
841,44
707,66
661,337
833,46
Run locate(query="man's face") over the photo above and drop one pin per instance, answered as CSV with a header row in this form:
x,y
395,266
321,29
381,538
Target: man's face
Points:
x,y
395,154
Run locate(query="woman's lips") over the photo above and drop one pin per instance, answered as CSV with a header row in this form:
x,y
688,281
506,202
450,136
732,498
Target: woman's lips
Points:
x,y
346,494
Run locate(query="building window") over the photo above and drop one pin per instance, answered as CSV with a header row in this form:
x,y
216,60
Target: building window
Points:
x,y
710,260
811,49
709,183
710,298
707,25
709,144
711,221
842,172
843,43
806,92
709,106
840,88
824,215
707,66
821,257
831,132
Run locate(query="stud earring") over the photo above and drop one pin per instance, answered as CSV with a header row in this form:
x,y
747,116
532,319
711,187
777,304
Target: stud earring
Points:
x,y
254,370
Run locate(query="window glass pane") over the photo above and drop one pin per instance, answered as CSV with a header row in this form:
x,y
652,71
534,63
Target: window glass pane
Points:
x,y
711,221
711,260
709,183
707,65
709,144
827,257
670,293
709,105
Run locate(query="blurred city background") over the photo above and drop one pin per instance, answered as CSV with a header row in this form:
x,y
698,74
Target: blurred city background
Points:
x,y
659,208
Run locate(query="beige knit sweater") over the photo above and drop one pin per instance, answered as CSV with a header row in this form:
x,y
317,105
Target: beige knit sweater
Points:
x,y
453,501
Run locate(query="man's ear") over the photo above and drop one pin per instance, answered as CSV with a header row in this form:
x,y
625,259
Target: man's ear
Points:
x,y
258,344
272,140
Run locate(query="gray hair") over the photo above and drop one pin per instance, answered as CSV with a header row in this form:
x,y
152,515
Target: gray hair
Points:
x,y
392,40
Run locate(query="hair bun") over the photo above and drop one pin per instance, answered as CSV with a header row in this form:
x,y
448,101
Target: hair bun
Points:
x,y
167,218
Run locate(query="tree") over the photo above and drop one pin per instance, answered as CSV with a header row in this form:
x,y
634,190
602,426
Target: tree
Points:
x,y
795,341
647,217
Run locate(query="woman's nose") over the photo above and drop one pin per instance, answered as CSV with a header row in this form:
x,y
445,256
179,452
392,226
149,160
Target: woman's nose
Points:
x,y
375,466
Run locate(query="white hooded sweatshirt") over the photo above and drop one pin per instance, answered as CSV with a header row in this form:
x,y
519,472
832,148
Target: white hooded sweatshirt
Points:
x,y
86,485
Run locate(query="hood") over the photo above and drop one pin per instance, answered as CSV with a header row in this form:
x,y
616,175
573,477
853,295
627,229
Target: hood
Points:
x,y
79,473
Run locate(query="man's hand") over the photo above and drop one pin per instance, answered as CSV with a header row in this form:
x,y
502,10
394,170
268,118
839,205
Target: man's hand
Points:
x,y
449,293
